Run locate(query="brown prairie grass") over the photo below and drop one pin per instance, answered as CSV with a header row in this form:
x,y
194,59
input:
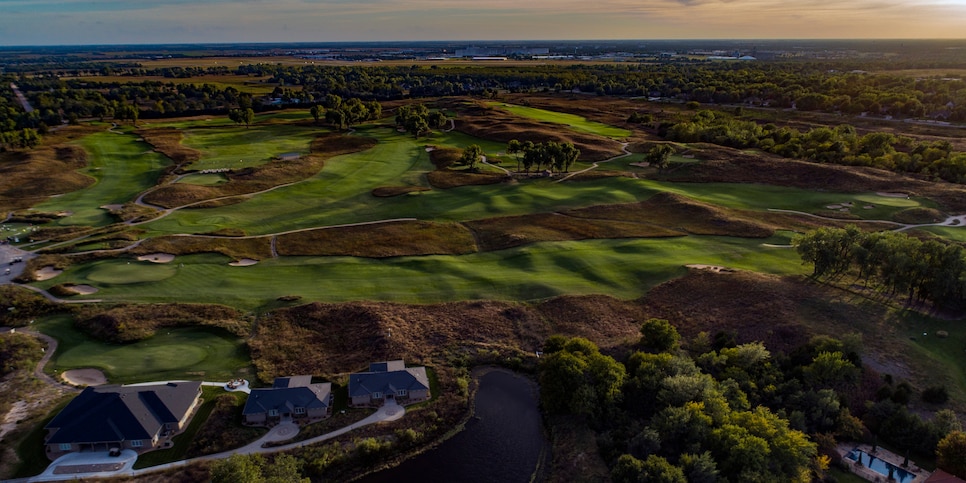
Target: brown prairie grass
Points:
x,y
346,337
167,141
254,248
264,177
447,178
129,323
29,177
496,125
379,241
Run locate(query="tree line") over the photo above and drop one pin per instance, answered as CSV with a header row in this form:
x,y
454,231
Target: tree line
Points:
x,y
923,271
549,155
835,145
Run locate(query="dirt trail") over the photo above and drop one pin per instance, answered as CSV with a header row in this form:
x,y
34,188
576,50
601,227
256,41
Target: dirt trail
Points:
x,y
598,163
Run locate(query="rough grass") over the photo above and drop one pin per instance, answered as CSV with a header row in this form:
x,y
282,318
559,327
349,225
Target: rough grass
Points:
x,y
129,323
254,248
492,124
404,238
168,141
572,121
30,177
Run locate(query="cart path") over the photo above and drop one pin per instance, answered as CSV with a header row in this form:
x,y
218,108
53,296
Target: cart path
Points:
x,y
598,163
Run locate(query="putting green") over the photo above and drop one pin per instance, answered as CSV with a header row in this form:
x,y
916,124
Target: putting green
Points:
x,y
572,121
206,179
125,272
177,353
237,147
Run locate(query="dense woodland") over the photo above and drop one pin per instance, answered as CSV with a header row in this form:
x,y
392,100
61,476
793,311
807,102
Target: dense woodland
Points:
x,y
709,410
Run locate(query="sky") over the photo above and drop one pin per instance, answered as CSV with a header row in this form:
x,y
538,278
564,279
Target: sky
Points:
x,y
70,22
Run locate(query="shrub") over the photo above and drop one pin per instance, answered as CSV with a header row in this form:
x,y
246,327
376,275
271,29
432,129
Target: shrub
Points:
x,y
935,394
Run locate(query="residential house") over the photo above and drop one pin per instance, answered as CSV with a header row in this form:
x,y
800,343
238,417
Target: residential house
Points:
x,y
140,417
289,397
388,380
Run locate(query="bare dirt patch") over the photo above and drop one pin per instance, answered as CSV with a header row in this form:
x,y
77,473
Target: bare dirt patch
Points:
x,y
47,273
710,268
157,258
84,377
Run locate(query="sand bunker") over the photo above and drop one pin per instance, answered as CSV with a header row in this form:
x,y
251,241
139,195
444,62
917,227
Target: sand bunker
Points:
x,y
892,195
83,289
47,273
711,268
642,164
84,377
834,207
244,262
114,207
157,258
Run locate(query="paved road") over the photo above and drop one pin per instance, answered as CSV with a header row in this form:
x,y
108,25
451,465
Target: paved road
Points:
x,y
20,97
281,432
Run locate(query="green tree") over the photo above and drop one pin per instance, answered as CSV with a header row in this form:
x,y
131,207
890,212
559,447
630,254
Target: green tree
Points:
x,y
238,469
951,453
318,112
471,155
658,335
660,156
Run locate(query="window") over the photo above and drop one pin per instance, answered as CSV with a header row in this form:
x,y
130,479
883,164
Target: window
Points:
x,y
273,412
136,443
65,446
299,410
401,392
377,395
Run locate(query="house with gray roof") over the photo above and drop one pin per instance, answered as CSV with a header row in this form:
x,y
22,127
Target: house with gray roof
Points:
x,y
388,380
289,397
141,418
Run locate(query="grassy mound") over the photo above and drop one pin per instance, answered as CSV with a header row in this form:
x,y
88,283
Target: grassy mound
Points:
x,y
168,141
348,336
29,177
496,125
254,179
381,240
257,248
919,215
128,323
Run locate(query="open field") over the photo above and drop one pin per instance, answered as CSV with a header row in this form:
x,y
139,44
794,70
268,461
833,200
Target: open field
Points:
x,y
175,353
250,84
572,121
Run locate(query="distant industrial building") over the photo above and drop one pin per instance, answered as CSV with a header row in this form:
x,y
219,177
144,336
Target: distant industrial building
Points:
x,y
500,51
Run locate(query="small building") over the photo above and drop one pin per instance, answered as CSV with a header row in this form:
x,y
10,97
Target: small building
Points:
x,y
141,418
289,397
940,476
388,380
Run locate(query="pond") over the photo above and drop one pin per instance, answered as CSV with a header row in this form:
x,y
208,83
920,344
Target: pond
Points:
x,y
504,441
